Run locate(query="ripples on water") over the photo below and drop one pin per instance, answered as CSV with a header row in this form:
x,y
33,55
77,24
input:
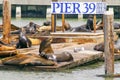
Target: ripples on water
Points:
x,y
79,73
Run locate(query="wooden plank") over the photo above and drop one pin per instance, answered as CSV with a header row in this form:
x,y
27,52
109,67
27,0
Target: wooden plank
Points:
x,y
76,34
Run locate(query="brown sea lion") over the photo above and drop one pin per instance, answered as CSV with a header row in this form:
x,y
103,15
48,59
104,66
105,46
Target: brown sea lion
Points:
x,y
81,28
46,51
7,50
24,41
13,27
31,28
47,23
64,56
6,47
29,59
45,46
67,26
100,46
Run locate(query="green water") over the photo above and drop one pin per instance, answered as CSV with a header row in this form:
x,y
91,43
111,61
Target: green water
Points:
x,y
88,72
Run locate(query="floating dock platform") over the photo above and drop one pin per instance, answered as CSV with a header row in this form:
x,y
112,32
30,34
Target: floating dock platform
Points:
x,y
79,37
80,57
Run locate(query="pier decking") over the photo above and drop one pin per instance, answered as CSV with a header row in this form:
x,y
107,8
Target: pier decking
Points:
x,y
80,57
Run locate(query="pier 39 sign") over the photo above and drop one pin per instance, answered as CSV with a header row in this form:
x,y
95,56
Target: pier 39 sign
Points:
x,y
78,7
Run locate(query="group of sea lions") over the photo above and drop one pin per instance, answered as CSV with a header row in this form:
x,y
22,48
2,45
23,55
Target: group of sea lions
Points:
x,y
46,56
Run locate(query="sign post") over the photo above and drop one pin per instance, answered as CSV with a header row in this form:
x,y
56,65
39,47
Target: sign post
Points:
x,y
78,8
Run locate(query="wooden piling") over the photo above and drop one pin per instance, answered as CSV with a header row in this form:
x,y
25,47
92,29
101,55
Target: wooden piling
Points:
x,y
53,22
6,21
109,43
63,22
102,17
94,22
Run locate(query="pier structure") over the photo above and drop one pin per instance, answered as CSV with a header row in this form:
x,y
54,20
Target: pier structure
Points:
x,y
41,8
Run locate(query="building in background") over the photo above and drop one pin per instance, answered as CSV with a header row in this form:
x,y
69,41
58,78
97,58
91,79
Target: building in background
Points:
x,y
41,8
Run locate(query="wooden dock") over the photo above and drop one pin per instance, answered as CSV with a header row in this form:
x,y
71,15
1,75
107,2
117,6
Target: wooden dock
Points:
x,y
79,37
80,57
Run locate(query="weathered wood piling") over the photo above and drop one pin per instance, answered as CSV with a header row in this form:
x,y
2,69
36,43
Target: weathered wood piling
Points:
x,y
63,22
109,43
6,21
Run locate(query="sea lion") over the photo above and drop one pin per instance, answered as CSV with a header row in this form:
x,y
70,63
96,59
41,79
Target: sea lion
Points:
x,y
15,31
89,24
81,28
45,46
31,28
100,46
116,25
47,23
64,56
24,41
13,27
99,25
6,48
29,59
1,42
61,57
46,51
67,26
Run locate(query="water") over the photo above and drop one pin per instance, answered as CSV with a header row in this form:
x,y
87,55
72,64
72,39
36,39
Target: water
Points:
x,y
24,21
80,73
89,72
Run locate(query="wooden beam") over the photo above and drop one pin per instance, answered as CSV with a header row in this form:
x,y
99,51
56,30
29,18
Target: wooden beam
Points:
x,y
109,42
6,21
63,22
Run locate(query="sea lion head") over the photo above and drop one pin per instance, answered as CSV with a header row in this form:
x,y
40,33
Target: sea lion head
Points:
x,y
45,44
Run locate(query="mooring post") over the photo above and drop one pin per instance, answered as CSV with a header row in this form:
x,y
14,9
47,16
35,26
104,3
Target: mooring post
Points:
x,y
102,17
53,20
63,22
109,42
94,22
6,21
